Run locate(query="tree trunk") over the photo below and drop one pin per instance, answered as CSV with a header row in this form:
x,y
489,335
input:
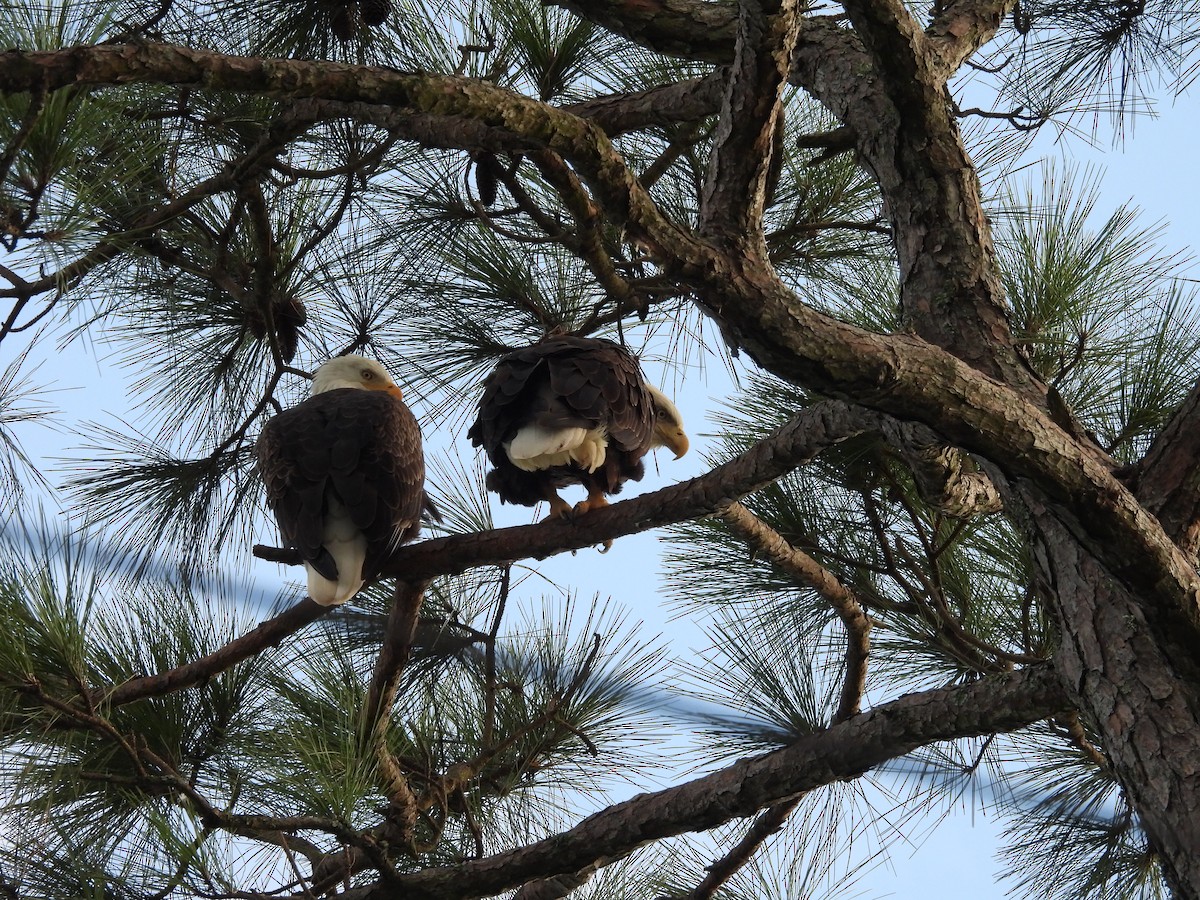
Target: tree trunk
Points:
x,y
1138,687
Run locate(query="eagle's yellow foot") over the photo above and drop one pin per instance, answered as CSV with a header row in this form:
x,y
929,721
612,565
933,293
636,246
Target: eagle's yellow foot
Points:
x,y
559,508
593,501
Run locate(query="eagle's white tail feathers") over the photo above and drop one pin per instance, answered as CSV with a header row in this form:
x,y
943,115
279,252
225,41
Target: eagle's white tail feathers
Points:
x,y
348,547
534,448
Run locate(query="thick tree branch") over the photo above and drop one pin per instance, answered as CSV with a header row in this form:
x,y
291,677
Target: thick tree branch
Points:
x,y
808,434
616,114
1168,477
689,29
735,189
666,106
907,135
845,751
266,634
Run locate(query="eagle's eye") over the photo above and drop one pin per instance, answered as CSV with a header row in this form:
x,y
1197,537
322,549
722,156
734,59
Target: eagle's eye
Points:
x,y
367,375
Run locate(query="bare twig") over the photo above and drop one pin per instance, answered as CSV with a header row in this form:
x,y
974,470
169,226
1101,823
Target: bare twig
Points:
x,y
768,823
489,662
803,568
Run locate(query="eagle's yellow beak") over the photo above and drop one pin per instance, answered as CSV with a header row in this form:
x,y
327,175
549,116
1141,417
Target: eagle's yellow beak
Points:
x,y
389,387
675,440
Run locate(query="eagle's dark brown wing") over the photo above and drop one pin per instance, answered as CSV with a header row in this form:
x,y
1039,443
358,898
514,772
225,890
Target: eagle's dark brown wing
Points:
x,y
564,382
361,448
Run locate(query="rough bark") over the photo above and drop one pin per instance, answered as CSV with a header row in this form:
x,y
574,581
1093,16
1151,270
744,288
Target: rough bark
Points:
x,y
735,188
1168,477
1139,688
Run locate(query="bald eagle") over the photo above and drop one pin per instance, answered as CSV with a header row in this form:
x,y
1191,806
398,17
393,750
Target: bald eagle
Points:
x,y
345,476
571,410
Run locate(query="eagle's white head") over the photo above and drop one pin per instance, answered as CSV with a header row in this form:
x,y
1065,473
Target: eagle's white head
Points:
x,y
355,372
668,424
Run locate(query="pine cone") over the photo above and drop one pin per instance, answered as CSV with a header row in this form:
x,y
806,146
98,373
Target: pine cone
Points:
x,y
289,315
375,11
487,171
341,23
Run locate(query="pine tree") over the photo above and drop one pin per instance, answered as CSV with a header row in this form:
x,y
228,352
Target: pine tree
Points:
x,y
946,532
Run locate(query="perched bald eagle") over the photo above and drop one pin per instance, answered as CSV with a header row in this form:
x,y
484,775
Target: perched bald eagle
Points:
x,y
571,410
345,476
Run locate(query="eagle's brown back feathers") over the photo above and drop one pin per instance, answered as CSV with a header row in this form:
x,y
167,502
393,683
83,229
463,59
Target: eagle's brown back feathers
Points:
x,y
565,382
359,448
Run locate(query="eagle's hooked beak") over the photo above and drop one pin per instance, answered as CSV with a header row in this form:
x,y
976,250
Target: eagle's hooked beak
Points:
x,y
677,442
390,388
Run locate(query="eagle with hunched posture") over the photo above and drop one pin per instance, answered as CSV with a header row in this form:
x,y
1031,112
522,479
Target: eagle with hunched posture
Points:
x,y
345,476
571,410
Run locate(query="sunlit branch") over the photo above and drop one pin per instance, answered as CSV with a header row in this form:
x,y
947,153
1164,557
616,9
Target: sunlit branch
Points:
x,y
766,320
780,333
